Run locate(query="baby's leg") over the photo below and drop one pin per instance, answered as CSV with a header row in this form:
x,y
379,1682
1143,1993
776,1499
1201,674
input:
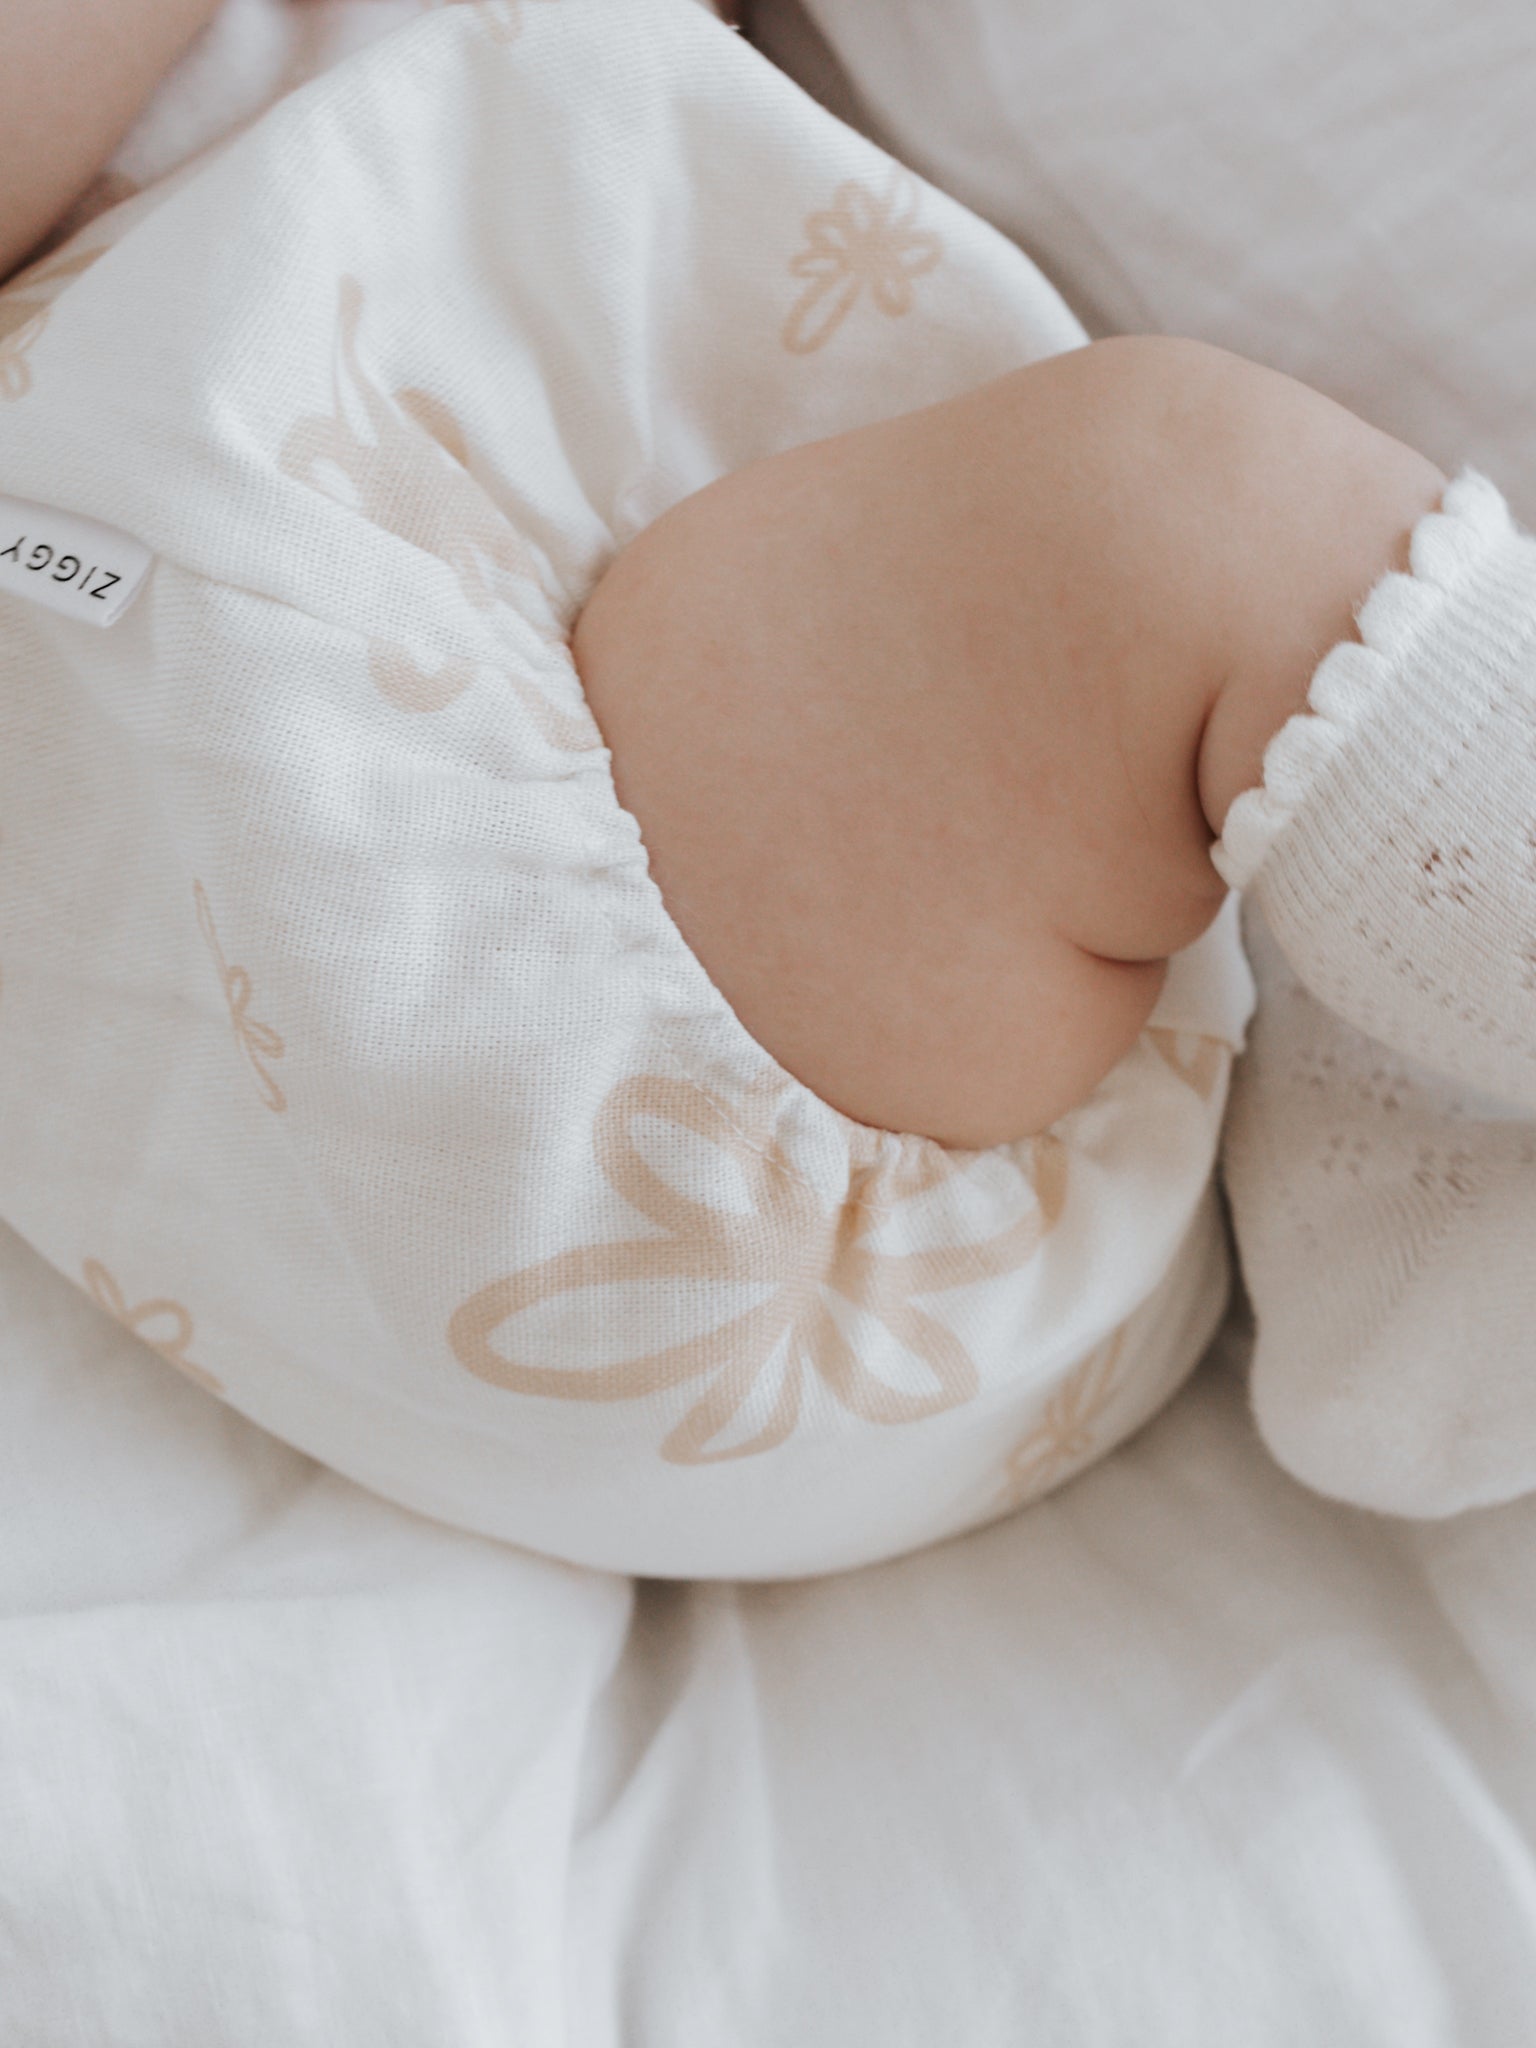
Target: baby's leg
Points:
x,y
73,74
928,728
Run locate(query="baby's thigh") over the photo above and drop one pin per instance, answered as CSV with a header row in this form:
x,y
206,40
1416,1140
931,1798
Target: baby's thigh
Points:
x,y
929,728
854,839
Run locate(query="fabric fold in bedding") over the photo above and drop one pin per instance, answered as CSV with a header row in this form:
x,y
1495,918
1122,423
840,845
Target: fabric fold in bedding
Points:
x,y
1180,1753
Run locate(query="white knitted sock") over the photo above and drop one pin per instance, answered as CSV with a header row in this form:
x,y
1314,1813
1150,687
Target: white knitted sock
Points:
x,y
1380,1152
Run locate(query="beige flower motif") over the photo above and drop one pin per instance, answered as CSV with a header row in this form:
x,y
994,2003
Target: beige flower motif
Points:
x,y
1066,1436
405,469
865,241
1198,1060
173,1321
259,1042
802,1254
25,305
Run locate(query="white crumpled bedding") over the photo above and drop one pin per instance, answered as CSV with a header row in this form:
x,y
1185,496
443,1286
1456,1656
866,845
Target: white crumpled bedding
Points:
x,y
1181,1757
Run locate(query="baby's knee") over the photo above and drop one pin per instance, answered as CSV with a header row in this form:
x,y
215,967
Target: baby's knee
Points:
x,y
1249,496
1306,507
1241,518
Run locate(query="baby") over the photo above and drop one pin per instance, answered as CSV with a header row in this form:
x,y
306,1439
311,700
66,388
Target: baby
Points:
x,y
930,730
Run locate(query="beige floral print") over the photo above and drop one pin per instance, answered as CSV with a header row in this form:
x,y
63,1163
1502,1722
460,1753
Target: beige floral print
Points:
x,y
866,241
1198,1060
25,305
788,1242
259,1042
1066,1436
164,1325
405,469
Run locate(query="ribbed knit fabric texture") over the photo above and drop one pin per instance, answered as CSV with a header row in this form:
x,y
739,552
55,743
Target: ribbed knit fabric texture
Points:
x,y
1380,1155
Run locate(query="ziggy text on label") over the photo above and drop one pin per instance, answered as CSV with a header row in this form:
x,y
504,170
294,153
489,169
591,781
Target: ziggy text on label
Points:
x,y
68,562
69,569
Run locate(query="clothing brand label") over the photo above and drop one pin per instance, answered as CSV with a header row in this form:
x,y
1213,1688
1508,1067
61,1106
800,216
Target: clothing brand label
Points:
x,y
69,563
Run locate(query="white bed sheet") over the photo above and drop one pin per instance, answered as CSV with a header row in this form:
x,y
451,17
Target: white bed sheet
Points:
x,y
1183,1756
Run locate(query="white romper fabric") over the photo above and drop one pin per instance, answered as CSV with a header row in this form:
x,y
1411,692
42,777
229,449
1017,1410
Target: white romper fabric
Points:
x,y
347,1052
